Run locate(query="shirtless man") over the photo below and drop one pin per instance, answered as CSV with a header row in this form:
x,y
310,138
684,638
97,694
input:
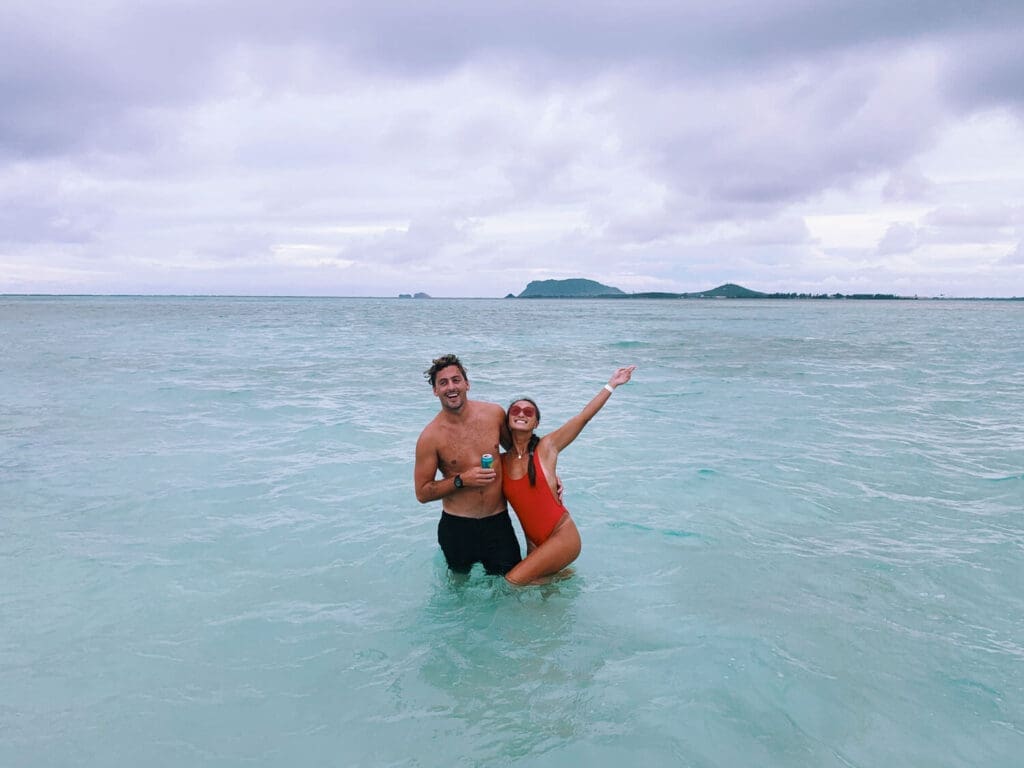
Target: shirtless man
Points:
x,y
475,525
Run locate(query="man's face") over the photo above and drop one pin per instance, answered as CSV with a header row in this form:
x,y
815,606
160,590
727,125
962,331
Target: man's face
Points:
x,y
451,387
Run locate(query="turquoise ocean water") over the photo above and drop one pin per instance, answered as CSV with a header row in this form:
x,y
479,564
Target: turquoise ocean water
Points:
x,y
802,522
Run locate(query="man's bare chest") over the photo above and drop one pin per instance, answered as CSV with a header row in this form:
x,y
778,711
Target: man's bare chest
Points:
x,y
463,447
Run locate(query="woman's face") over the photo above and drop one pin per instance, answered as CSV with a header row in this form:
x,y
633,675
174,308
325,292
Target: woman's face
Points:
x,y
522,416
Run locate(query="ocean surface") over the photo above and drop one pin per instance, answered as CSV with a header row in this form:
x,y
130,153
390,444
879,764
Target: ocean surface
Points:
x,y
802,523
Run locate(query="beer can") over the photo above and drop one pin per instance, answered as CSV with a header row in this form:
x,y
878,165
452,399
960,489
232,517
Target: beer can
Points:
x,y
486,461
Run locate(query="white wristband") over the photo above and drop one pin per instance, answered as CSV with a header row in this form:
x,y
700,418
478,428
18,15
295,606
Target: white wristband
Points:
x,y
610,388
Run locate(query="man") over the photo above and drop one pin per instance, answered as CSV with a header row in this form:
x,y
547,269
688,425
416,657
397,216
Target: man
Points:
x,y
475,525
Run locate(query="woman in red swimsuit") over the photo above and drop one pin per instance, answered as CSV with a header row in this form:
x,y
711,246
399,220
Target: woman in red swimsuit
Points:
x,y
528,477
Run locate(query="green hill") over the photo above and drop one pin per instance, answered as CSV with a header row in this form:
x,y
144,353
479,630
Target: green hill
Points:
x,y
580,288
727,291
573,288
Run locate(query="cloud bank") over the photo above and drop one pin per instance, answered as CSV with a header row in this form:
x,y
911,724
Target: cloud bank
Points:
x,y
463,149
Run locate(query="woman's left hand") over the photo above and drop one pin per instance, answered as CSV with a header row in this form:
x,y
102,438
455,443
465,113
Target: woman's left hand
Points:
x,y
622,375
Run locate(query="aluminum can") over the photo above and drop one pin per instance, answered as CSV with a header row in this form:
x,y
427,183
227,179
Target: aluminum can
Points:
x,y
487,461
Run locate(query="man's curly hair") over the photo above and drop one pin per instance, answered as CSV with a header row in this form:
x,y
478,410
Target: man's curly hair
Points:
x,y
441,363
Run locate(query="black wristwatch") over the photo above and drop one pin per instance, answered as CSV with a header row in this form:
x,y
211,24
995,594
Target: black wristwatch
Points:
x,y
458,481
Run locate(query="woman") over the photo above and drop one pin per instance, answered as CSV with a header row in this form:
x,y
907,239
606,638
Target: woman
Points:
x,y
528,481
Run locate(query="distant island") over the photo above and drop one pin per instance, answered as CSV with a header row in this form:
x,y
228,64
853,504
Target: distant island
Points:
x,y
573,288
578,288
582,288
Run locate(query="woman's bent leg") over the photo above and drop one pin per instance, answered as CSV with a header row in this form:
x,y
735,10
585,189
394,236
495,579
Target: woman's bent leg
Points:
x,y
559,550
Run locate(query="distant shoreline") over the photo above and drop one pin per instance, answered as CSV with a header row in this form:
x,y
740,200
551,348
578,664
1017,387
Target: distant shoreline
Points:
x,y
787,297
584,288
637,296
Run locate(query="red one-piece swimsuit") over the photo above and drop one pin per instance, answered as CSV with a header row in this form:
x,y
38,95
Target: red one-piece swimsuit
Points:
x,y
536,506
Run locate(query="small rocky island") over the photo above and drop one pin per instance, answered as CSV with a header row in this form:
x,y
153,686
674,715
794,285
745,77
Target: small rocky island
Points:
x,y
414,296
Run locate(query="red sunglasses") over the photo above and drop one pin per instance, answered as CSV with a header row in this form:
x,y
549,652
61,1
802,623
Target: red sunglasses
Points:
x,y
526,410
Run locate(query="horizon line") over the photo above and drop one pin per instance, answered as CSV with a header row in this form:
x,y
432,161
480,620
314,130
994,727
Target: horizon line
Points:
x,y
617,297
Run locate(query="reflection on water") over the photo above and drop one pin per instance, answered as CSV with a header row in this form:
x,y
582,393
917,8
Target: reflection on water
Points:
x,y
502,658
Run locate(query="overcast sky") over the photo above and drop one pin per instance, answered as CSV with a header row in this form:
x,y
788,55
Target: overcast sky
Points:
x,y
318,147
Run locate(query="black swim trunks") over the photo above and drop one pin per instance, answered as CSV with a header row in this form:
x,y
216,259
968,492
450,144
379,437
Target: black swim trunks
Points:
x,y
488,540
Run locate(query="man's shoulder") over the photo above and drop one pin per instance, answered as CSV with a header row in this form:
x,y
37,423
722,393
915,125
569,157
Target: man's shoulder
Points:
x,y
485,404
431,429
484,408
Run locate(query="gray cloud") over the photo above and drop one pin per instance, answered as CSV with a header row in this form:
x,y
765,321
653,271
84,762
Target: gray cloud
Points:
x,y
908,185
900,237
976,217
987,69
76,73
309,144
951,226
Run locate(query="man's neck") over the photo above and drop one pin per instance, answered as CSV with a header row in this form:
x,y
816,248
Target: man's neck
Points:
x,y
456,414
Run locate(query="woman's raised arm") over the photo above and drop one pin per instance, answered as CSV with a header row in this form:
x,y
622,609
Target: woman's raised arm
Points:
x,y
569,431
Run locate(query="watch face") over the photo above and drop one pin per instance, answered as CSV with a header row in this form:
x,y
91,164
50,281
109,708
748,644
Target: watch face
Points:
x,y
458,481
